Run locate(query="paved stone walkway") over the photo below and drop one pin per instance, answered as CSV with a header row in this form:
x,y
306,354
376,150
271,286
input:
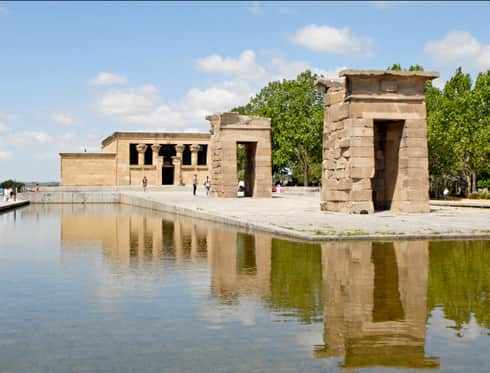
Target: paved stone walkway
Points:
x,y
300,217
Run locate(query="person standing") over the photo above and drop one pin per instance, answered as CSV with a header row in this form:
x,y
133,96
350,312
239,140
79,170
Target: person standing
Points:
x,y
6,194
207,185
145,183
194,184
445,193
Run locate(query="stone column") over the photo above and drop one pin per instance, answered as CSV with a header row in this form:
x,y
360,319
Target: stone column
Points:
x,y
179,149
194,149
156,149
177,162
141,148
156,162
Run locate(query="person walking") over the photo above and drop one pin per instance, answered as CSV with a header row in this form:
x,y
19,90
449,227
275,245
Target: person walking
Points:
x,y
207,185
194,184
145,183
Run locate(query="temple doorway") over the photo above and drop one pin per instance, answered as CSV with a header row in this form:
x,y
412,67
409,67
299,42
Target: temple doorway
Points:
x,y
167,151
246,167
167,174
387,140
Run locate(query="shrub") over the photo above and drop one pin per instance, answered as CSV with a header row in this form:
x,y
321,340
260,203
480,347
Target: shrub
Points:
x,y
483,183
480,195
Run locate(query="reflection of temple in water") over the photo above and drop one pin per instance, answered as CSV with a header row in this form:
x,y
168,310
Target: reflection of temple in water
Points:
x,y
376,303
372,295
129,238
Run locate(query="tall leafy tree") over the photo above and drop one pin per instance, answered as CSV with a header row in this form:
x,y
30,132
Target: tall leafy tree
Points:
x,y
296,111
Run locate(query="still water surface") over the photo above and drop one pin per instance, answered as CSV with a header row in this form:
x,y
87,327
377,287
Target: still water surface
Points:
x,y
114,288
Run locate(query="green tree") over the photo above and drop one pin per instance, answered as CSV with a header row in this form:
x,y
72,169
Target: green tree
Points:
x,y
12,184
296,111
395,67
415,67
465,111
458,129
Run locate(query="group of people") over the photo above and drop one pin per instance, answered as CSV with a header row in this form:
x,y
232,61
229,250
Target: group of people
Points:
x,y
9,194
207,184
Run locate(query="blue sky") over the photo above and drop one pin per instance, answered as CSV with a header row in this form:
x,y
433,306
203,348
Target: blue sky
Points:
x,y
72,73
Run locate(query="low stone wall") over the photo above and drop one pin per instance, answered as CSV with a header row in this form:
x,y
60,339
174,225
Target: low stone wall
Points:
x,y
300,190
5,206
73,197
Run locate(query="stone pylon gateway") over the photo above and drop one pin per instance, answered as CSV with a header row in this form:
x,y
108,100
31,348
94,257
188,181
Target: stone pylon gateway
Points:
x,y
228,130
375,153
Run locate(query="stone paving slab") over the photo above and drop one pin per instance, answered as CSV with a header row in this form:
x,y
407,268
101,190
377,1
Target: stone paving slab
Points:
x,y
300,217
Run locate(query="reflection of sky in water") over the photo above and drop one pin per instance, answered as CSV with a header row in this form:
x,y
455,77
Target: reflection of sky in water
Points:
x,y
81,294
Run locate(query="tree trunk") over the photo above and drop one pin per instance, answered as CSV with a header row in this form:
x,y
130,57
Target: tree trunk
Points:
x,y
468,185
305,175
473,182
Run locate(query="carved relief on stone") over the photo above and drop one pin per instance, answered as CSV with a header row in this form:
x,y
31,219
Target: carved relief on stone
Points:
x,y
195,148
156,148
141,148
179,149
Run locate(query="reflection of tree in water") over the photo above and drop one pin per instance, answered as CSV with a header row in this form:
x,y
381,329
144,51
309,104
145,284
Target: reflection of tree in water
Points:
x,y
296,279
459,280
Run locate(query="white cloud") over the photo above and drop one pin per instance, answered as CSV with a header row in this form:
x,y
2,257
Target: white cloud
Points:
x,y
457,47
245,66
255,8
483,58
4,155
143,109
327,39
29,138
106,78
63,119
201,102
128,102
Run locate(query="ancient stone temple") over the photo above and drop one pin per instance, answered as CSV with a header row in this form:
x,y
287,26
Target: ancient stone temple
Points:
x,y
164,158
230,130
375,142
171,158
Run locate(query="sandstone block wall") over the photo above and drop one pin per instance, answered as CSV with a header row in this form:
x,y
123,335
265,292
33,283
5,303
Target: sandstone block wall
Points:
x,y
375,153
88,169
229,130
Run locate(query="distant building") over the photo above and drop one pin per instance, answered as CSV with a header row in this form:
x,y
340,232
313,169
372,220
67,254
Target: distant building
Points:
x,y
171,158
165,158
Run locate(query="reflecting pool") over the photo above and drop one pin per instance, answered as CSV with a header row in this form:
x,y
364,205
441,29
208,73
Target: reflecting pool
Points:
x,y
113,288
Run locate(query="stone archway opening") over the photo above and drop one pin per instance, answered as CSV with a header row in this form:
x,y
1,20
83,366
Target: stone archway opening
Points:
x,y
246,166
387,172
